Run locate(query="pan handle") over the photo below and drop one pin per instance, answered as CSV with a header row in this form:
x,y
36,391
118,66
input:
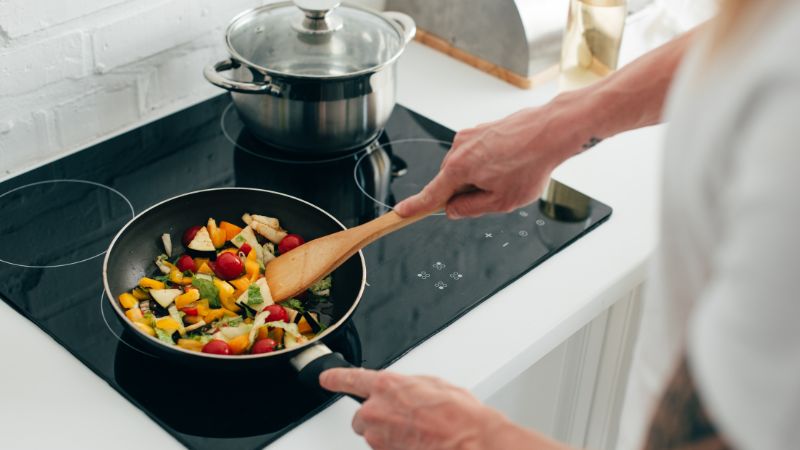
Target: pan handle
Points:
x,y
311,362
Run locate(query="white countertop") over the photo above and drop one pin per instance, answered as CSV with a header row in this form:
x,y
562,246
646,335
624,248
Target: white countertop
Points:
x,y
48,399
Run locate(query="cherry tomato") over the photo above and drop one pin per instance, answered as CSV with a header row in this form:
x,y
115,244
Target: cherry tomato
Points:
x,y
276,313
228,266
190,311
263,346
189,235
245,248
217,347
185,263
290,242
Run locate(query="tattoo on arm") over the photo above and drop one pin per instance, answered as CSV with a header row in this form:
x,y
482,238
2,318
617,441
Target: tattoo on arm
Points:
x,y
590,143
680,421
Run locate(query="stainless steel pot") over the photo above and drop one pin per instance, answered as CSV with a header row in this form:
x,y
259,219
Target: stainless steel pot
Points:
x,y
313,76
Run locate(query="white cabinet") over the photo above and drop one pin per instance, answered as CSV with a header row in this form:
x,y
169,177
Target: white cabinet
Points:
x,y
575,392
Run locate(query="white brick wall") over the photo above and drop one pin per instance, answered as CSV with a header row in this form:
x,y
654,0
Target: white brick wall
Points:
x,y
73,72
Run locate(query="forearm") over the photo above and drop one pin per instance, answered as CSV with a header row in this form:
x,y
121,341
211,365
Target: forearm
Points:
x,y
630,98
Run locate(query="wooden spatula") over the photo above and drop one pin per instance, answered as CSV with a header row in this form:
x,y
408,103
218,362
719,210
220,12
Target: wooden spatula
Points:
x,y
293,272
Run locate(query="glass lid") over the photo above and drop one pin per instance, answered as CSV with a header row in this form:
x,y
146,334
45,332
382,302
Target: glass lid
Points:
x,y
317,38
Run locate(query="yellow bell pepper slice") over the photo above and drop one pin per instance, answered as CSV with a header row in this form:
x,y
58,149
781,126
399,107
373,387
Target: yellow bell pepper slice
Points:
x,y
213,315
205,269
146,329
167,324
203,308
230,229
128,300
191,344
252,270
241,284
177,277
226,292
150,283
135,315
192,295
140,293
252,256
239,344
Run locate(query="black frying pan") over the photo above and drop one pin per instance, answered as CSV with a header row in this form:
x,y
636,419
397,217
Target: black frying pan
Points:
x,y
132,253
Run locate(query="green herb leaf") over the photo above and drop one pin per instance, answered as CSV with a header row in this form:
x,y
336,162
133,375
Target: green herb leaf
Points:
x,y
321,287
295,304
162,278
254,295
207,291
187,273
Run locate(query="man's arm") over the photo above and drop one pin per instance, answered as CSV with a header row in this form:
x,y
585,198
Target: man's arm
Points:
x,y
500,166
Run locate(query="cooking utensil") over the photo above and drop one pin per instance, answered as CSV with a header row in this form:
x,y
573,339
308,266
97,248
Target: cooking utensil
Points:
x,y
312,76
293,272
132,252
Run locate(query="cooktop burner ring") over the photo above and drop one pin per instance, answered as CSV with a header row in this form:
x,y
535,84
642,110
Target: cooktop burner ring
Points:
x,y
225,131
65,180
402,171
111,330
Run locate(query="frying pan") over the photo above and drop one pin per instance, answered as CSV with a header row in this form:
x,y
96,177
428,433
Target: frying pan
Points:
x,y
133,250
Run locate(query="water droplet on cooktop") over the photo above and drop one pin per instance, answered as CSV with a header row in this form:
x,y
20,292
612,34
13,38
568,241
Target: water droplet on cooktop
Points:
x,y
57,223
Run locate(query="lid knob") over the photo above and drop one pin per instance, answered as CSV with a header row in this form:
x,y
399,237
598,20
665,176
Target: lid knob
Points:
x,y
318,18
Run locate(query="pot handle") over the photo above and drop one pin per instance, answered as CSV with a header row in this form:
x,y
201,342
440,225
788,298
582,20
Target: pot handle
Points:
x,y
406,23
311,362
211,72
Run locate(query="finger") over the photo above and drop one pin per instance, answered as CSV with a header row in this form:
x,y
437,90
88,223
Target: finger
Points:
x,y
435,194
471,204
359,424
358,382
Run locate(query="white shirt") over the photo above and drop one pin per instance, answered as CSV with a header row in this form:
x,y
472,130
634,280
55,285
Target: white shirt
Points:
x,y
725,282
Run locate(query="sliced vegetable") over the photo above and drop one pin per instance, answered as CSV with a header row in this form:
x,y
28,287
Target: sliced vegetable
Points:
x,y
247,236
189,235
257,296
176,316
165,297
239,344
165,336
230,229
217,236
208,291
213,315
146,329
135,315
200,324
140,293
191,344
166,239
190,296
128,300
202,241
322,288
273,235
150,283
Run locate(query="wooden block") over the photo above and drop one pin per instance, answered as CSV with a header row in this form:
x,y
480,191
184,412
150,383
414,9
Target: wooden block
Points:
x,y
435,42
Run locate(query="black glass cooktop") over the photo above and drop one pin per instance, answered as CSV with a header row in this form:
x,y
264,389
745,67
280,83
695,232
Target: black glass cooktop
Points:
x,y
56,222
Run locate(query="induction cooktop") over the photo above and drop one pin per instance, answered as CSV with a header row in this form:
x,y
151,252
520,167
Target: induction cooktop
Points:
x,y
56,222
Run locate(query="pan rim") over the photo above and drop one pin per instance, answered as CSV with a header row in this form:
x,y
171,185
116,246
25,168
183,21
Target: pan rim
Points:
x,y
285,351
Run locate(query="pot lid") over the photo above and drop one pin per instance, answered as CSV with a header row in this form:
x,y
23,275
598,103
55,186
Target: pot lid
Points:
x,y
317,38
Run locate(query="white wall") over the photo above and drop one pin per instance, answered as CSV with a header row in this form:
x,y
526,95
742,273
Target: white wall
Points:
x,y
74,71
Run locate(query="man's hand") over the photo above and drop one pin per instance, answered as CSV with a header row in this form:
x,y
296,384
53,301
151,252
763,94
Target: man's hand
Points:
x,y
503,165
413,412
499,166
408,413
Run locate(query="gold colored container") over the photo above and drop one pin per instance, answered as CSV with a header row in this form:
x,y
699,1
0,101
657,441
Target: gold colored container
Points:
x,y
590,49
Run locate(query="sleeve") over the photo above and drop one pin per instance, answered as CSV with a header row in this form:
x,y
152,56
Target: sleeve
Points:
x,y
744,335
